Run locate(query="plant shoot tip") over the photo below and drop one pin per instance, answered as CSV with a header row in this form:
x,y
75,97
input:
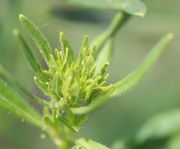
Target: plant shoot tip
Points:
x,y
61,34
170,36
21,16
142,15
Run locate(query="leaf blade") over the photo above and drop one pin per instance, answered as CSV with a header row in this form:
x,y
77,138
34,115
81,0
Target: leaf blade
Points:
x,y
135,77
14,103
105,54
97,102
88,144
66,48
37,36
129,81
8,78
133,7
33,62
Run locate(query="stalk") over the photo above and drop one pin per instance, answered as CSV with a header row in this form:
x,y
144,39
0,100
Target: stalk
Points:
x,y
119,20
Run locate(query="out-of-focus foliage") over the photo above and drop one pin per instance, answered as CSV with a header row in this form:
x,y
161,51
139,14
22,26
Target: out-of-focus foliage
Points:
x,y
134,7
160,126
8,13
88,144
160,131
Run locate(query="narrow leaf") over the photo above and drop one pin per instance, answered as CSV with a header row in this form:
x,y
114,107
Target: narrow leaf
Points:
x,y
133,7
66,48
97,102
33,62
135,77
88,144
105,55
14,103
130,81
8,78
37,36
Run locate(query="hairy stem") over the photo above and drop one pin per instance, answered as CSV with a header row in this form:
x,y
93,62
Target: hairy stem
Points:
x,y
59,142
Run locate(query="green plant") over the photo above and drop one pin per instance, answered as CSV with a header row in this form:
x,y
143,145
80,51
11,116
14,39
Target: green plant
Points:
x,y
162,131
75,86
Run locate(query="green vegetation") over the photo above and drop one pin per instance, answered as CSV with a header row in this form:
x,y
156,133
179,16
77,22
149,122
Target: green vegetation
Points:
x,y
77,85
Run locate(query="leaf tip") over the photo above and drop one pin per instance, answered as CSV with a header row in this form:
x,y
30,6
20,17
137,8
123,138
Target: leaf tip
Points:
x,y
61,34
35,78
142,15
170,36
21,17
86,37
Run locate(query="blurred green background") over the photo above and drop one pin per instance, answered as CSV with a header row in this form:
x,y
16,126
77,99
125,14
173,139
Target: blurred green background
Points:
x,y
123,115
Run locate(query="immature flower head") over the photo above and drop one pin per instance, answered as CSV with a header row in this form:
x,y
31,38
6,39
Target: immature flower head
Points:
x,y
70,81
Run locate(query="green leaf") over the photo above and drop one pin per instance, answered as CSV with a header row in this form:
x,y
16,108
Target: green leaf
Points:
x,y
129,81
37,36
133,7
66,48
105,55
8,78
160,126
135,77
88,144
14,103
33,62
97,102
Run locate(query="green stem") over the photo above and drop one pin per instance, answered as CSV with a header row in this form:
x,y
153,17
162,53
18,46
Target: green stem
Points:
x,y
59,142
119,20
61,135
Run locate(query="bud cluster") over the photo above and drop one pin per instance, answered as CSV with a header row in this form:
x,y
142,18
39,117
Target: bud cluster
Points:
x,y
73,82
